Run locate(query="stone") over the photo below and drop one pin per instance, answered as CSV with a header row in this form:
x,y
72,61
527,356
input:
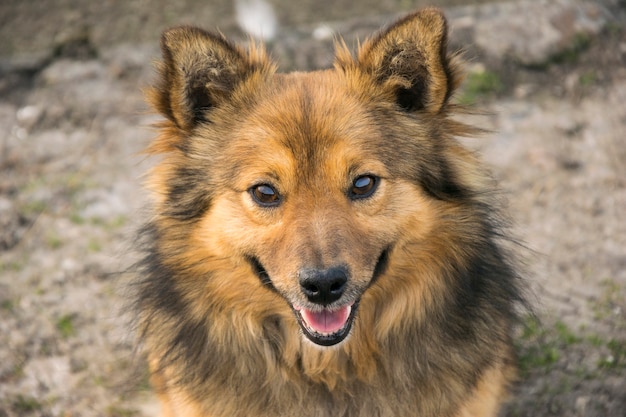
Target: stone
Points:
x,y
531,32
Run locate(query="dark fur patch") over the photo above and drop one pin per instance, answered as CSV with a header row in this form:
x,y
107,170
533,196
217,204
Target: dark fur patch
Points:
x,y
406,61
260,272
381,265
188,194
165,311
440,182
156,290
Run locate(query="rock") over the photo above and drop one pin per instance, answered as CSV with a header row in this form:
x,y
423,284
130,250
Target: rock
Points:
x,y
11,224
532,32
47,376
72,71
257,18
29,116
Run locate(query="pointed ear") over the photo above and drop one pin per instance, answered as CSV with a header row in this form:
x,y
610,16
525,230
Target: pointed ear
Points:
x,y
198,72
410,58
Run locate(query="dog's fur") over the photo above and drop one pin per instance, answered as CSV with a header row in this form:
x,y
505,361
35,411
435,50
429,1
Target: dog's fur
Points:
x,y
267,181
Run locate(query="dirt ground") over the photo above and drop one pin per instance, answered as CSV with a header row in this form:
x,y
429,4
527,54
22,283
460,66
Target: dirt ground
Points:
x,y
73,121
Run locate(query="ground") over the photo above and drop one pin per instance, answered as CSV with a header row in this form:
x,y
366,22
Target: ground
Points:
x,y
73,124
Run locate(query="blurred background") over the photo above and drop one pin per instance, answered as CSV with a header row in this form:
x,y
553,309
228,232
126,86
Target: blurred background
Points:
x,y
550,73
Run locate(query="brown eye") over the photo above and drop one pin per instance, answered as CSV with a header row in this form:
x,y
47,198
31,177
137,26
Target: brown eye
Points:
x,y
265,195
363,187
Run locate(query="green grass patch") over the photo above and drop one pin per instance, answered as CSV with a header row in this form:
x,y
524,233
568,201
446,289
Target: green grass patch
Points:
x,y
12,266
65,326
541,346
537,349
580,43
118,221
114,223
565,335
479,86
77,219
94,246
33,208
117,411
538,356
595,340
568,55
616,357
613,297
54,241
588,79
8,305
24,404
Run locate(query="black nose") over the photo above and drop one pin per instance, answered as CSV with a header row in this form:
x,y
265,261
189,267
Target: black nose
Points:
x,y
323,286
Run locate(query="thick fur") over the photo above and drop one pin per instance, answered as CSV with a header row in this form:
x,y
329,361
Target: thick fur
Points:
x,y
436,292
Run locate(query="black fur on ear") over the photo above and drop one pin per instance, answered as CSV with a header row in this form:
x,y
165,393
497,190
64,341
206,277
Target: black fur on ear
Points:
x,y
410,57
198,72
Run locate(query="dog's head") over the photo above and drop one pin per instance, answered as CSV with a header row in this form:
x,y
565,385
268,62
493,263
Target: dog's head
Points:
x,y
308,181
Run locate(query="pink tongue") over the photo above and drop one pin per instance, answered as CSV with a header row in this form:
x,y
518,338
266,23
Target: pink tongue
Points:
x,y
326,321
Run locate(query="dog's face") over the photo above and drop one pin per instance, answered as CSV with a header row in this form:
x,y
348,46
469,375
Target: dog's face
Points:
x,y
313,204
308,178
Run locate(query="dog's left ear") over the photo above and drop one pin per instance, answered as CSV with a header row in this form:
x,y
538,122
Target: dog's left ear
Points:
x,y
200,70
410,58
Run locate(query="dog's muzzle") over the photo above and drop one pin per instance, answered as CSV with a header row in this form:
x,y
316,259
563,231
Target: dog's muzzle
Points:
x,y
328,322
327,314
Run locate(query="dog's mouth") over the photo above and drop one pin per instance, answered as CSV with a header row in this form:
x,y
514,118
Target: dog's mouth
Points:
x,y
328,326
323,325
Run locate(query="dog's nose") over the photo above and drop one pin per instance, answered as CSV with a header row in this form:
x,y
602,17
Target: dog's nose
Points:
x,y
323,286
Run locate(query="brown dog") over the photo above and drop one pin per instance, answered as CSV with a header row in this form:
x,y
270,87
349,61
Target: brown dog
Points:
x,y
321,244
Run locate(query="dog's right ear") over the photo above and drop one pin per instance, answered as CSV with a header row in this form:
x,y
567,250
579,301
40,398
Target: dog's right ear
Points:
x,y
410,60
198,72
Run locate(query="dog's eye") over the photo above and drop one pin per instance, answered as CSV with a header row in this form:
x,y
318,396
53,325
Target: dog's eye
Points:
x,y
265,195
363,186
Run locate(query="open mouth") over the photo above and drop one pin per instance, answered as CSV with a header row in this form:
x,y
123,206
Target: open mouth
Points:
x,y
326,327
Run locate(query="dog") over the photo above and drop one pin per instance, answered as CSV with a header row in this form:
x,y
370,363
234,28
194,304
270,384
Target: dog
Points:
x,y
320,243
